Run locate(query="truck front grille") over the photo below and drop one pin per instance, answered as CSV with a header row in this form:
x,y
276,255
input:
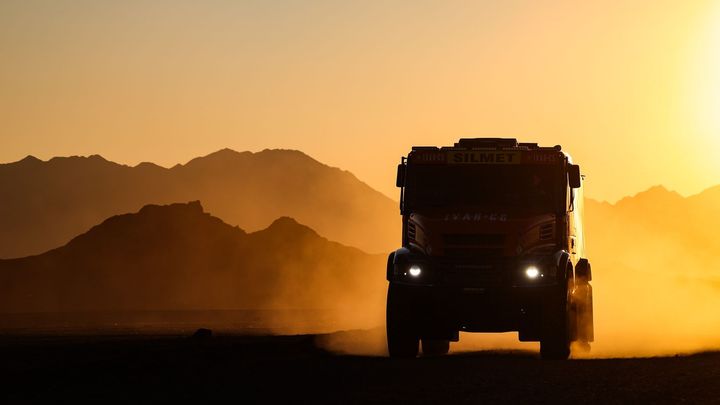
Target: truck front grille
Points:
x,y
472,275
472,239
473,245
472,252
547,231
411,231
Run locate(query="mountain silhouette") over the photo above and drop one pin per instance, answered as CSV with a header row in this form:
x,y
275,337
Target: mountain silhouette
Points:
x,y
655,216
177,257
45,204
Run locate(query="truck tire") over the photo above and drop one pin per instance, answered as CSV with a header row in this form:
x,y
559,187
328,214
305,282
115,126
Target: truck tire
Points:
x,y
556,346
401,323
435,347
556,337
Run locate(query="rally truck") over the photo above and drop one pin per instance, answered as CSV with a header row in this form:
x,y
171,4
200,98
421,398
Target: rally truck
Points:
x,y
492,241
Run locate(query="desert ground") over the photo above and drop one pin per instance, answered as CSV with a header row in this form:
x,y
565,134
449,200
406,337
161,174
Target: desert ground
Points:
x,y
134,366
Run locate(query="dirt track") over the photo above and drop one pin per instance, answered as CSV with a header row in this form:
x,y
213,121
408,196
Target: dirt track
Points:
x,y
262,369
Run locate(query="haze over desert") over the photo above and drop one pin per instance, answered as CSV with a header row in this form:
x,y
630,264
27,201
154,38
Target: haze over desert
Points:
x,y
359,202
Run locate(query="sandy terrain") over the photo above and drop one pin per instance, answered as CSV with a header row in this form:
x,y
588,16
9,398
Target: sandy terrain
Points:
x,y
249,369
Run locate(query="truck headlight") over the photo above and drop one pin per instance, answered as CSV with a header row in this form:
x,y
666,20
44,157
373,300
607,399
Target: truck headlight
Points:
x,y
532,272
414,270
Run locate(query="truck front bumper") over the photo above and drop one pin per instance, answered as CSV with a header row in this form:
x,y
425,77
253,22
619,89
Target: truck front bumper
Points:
x,y
479,295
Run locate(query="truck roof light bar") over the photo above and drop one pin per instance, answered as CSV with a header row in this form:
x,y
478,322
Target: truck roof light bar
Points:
x,y
487,143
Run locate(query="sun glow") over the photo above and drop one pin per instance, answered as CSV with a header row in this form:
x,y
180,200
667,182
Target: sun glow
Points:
x,y
705,102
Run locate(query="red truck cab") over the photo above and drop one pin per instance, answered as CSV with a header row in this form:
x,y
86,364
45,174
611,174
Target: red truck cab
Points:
x,y
492,242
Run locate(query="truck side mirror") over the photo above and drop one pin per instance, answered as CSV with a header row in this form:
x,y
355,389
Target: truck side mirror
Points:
x,y
574,176
400,180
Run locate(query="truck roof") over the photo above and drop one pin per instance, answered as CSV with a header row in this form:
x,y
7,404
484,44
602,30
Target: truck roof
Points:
x,y
489,144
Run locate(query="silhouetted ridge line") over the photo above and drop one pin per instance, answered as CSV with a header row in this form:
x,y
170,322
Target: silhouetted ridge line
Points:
x,y
287,223
48,203
179,257
149,165
28,160
189,208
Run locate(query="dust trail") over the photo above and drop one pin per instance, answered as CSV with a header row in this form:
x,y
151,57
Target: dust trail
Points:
x,y
654,295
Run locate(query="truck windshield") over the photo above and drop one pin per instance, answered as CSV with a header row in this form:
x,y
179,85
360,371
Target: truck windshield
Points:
x,y
526,188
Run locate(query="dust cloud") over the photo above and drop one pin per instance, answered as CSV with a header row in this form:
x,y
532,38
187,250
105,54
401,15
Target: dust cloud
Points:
x,y
656,284
179,258
638,313
664,301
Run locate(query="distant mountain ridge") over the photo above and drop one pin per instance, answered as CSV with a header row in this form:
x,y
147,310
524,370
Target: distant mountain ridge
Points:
x,y
45,204
177,257
688,222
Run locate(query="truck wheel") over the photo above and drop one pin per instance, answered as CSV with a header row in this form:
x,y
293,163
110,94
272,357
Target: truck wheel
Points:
x,y
402,336
555,342
556,346
435,347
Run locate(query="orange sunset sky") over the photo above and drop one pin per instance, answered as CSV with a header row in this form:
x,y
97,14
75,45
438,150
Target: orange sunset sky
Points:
x,y
630,88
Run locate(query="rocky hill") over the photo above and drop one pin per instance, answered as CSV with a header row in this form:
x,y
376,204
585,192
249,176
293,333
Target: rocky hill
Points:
x,y
178,257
